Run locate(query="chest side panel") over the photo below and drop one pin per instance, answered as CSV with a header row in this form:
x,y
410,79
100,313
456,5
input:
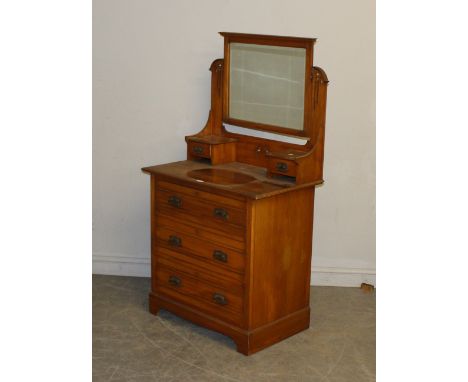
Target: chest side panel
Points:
x,y
280,256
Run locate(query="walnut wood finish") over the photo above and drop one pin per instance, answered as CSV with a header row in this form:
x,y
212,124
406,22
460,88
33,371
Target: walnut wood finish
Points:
x,y
231,226
231,147
280,249
264,275
293,42
203,233
178,285
218,255
220,176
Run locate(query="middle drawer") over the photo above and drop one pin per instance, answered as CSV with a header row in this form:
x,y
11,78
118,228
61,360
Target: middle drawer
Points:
x,y
211,252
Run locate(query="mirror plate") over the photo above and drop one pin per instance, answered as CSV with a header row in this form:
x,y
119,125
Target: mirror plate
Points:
x,y
266,84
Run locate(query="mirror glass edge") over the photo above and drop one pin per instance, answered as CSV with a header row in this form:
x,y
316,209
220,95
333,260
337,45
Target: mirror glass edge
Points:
x,y
305,43
264,127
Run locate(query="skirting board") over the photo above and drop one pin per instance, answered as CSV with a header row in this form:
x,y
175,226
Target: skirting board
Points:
x,y
321,276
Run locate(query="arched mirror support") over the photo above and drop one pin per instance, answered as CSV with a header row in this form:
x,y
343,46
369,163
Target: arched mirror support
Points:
x,y
304,163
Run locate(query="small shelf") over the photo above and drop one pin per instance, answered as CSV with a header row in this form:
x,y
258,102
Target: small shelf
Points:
x,y
287,154
211,139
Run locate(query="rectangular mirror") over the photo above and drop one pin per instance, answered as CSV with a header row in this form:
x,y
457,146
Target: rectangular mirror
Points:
x,y
267,84
266,78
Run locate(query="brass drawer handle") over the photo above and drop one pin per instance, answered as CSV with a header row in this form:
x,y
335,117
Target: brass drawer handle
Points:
x,y
174,281
198,149
281,166
175,241
220,256
175,201
221,213
219,299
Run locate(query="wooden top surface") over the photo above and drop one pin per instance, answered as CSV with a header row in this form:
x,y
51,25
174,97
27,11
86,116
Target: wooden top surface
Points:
x,y
265,36
211,139
208,180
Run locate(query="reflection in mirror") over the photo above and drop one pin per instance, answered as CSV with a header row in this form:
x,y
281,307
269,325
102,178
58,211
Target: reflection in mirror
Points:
x,y
266,135
267,84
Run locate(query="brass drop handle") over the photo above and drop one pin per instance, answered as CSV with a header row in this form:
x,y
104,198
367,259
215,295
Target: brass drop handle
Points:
x,y
281,166
174,281
175,241
175,201
219,299
198,150
221,213
220,256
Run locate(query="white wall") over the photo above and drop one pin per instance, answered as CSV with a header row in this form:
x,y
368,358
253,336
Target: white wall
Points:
x,y
151,87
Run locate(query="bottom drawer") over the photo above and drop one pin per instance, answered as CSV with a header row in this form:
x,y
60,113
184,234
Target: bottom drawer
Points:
x,y
214,301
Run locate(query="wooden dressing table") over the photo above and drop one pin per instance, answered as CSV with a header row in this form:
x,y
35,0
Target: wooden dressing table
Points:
x,y
231,226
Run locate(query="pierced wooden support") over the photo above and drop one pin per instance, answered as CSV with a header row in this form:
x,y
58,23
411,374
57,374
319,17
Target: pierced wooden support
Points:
x,y
302,162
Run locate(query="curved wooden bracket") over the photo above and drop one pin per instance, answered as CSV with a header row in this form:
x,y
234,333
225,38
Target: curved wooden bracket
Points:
x,y
214,123
306,161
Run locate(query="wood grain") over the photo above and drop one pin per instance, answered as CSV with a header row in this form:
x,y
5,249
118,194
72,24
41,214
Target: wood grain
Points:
x,y
280,256
253,150
294,42
231,248
202,232
202,249
199,295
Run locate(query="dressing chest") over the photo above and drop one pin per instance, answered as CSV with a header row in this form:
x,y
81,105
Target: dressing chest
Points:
x,y
231,226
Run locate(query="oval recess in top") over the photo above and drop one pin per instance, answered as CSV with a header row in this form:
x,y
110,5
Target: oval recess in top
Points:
x,y
220,176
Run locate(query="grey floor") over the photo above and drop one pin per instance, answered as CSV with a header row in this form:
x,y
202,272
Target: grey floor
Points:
x,y
130,344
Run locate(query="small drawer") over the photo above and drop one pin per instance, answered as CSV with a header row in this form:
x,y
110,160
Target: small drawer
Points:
x,y
199,294
282,167
202,150
213,253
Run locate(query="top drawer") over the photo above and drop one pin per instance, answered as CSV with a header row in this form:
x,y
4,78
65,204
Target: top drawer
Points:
x,y
282,167
201,150
201,207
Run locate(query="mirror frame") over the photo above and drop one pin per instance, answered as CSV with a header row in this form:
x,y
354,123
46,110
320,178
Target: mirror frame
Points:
x,y
293,42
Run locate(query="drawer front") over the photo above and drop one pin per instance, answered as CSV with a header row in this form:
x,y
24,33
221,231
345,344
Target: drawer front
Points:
x,y
201,211
199,294
192,266
215,254
203,233
283,167
214,198
201,150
